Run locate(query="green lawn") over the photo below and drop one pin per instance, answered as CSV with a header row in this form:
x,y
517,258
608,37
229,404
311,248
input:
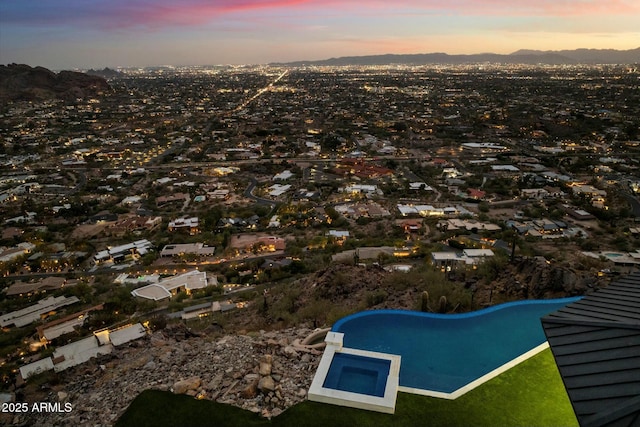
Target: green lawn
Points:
x,y
530,394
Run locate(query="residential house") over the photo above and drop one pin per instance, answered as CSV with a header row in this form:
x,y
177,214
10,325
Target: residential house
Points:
x,y
340,236
190,224
65,325
170,286
39,310
46,284
467,258
199,249
129,251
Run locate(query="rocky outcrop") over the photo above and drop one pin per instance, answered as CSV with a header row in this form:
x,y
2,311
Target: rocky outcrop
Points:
x,y
534,278
252,371
545,281
20,82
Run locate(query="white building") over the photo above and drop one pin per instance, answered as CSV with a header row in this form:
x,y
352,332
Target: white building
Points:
x,y
187,248
468,257
170,286
116,254
32,313
283,176
278,190
188,223
361,189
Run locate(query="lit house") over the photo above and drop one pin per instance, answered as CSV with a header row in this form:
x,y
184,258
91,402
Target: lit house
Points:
x,y
340,236
187,248
367,190
469,257
170,286
272,243
190,224
130,251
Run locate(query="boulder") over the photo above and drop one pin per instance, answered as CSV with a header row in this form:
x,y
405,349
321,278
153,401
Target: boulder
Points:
x,y
251,377
185,385
250,391
267,384
290,352
265,365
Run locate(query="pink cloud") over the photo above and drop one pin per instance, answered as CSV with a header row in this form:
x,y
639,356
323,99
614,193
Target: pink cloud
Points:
x,y
512,7
111,14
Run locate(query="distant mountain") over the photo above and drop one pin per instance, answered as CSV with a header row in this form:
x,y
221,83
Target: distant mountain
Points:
x,y
107,73
586,56
590,56
24,83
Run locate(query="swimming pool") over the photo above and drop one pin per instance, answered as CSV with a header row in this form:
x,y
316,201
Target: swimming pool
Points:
x,y
444,353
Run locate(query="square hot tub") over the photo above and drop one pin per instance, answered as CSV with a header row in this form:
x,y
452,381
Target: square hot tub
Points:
x,y
356,378
358,374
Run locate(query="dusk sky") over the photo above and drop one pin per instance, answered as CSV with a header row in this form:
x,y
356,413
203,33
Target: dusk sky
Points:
x,y
64,34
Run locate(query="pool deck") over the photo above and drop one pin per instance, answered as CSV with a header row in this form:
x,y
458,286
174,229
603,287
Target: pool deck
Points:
x,y
319,393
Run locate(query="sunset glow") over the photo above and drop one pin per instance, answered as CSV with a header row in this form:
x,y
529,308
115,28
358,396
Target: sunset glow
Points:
x,y
79,33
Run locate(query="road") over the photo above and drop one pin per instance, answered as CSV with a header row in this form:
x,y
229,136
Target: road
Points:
x,y
259,93
248,193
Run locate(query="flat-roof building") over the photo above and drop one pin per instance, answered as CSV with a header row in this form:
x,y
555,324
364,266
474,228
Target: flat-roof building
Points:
x,y
34,312
170,286
187,248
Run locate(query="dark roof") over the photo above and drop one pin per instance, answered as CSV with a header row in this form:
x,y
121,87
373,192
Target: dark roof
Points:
x,y
596,344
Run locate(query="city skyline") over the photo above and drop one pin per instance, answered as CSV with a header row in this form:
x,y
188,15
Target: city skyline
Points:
x,y
80,34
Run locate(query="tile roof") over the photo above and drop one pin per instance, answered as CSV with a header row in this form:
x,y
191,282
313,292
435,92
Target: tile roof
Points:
x,y
596,344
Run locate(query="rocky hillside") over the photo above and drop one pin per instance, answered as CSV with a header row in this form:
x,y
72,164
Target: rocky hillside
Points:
x,y
263,372
251,360
322,298
20,82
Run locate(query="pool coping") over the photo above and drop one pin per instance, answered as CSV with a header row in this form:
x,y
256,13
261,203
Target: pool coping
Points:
x,y
452,315
478,381
319,393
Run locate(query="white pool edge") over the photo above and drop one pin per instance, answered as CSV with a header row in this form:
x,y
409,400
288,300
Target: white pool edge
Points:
x,y
479,381
318,393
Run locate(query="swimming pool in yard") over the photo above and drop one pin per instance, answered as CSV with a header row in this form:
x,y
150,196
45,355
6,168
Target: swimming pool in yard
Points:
x,y
442,354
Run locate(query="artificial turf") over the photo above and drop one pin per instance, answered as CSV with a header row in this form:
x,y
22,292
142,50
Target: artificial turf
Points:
x,y
530,394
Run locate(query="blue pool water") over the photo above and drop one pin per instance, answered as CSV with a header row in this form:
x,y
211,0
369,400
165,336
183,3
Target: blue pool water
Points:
x,y
445,352
358,374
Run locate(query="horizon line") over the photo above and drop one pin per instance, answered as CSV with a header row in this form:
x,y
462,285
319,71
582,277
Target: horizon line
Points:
x,y
528,52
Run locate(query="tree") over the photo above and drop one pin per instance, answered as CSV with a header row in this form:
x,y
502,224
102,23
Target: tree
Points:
x,y
158,322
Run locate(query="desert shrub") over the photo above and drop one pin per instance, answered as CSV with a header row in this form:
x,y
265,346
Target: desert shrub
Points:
x,y
375,298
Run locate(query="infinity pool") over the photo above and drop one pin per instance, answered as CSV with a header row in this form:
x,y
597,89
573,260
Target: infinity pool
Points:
x,y
443,352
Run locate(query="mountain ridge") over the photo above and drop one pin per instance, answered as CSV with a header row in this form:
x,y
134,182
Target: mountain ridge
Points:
x,y
522,56
20,82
